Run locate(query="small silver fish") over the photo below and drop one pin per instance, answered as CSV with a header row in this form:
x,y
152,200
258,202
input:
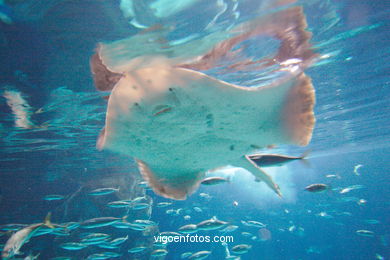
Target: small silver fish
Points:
x,y
212,224
118,204
137,249
159,252
185,255
101,222
102,191
73,246
365,233
241,249
119,240
252,223
163,204
200,255
188,229
53,197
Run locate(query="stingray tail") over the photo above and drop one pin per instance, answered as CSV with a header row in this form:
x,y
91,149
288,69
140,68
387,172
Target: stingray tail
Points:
x,y
162,186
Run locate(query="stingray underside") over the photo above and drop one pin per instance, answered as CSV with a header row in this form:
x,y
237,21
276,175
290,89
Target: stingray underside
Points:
x,y
179,123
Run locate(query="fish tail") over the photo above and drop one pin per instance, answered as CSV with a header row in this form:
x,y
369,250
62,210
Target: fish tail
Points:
x,y
304,160
124,219
47,221
305,154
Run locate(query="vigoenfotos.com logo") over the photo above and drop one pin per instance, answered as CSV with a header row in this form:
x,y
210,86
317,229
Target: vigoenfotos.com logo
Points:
x,y
193,239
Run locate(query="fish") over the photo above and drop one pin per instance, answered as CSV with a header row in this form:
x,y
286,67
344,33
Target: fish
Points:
x,y
333,176
53,197
97,256
272,160
159,252
229,229
139,199
163,204
119,240
192,122
185,255
365,233
324,215
18,239
123,225
214,181
372,221
188,229
144,222
139,206
102,191
118,204
241,249
72,246
137,249
361,202
197,209
95,237
212,224
351,188
356,169
205,195
200,255
12,227
317,187
71,225
252,223
107,245
101,222
246,234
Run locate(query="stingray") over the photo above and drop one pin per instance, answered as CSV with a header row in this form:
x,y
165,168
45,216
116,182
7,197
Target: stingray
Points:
x,y
179,123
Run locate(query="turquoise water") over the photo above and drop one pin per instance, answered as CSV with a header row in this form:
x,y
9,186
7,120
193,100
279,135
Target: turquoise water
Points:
x,y
51,149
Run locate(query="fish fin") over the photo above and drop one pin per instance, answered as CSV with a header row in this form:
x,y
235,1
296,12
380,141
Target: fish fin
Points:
x,y
47,221
253,168
162,186
103,78
298,115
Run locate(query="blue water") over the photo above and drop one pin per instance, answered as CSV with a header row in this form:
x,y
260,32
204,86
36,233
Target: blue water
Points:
x,y
45,57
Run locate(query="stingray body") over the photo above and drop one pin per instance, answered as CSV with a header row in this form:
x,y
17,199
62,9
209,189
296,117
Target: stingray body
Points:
x,y
179,123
